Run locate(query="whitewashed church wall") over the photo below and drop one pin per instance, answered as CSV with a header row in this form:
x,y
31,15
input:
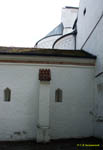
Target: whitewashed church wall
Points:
x,y
94,45
67,30
72,117
18,117
69,118
99,107
47,42
66,18
85,25
67,42
90,12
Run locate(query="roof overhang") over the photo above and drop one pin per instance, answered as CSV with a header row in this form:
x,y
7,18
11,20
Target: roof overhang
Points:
x,y
48,56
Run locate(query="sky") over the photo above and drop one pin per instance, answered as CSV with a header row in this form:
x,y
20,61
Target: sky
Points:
x,y
24,22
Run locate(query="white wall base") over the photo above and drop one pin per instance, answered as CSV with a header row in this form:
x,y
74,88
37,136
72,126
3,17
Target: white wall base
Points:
x,y
43,134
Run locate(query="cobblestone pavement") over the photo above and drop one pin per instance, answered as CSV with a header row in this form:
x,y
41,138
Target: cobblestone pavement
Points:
x,y
70,144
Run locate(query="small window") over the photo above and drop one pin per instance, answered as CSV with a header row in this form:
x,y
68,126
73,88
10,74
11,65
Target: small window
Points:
x,y
58,95
7,95
84,12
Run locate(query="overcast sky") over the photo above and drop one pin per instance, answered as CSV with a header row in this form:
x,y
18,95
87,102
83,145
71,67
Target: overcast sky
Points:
x,y
24,22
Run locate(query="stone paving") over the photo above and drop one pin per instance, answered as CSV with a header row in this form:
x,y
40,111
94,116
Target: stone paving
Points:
x,y
70,144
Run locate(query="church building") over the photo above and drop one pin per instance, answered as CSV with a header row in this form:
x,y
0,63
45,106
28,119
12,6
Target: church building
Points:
x,y
55,90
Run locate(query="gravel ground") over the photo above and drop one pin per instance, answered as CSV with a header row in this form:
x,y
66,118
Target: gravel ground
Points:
x,y
70,144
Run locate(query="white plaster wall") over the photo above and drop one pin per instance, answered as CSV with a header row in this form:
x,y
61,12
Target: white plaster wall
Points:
x,y
99,107
44,112
67,42
18,117
67,30
87,22
72,118
47,42
44,100
94,45
66,18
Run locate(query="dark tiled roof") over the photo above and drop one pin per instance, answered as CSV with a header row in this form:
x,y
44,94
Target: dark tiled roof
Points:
x,y
45,52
